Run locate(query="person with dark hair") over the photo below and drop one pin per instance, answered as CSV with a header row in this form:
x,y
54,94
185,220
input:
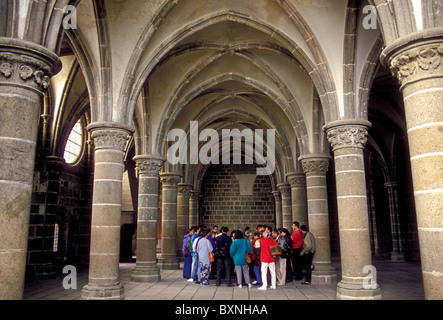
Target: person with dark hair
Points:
x,y
285,233
195,274
297,240
307,252
203,247
222,258
239,247
267,262
256,257
280,261
187,254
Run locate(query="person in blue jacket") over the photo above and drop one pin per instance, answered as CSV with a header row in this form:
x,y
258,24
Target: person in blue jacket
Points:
x,y
239,247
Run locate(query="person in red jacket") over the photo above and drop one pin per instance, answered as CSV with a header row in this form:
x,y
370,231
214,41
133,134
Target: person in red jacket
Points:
x,y
297,241
267,261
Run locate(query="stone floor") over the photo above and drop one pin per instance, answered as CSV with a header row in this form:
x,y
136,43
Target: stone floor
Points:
x,y
398,281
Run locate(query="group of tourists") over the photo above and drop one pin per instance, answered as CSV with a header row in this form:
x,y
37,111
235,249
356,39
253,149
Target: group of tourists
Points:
x,y
266,255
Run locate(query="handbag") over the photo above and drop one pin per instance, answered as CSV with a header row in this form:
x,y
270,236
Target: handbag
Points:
x,y
210,254
276,249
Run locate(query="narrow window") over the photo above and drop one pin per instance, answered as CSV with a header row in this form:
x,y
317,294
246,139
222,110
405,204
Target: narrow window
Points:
x,y
74,145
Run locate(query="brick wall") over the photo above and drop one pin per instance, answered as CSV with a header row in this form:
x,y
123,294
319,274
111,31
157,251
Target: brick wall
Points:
x,y
223,205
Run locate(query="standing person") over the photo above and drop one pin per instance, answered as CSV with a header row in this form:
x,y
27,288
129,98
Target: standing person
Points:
x,y
238,249
203,247
308,251
195,263
211,237
256,257
297,241
222,257
267,262
187,254
286,235
280,261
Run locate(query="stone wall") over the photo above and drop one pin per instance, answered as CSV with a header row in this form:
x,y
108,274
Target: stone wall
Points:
x,y
228,202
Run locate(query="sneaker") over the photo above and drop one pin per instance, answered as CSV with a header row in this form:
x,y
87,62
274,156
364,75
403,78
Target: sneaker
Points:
x,y
190,280
254,282
249,285
262,288
239,286
280,284
273,287
306,283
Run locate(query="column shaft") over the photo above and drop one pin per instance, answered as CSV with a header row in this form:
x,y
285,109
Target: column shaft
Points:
x,y
285,190
148,168
183,194
278,209
109,142
347,138
25,69
168,259
417,61
298,197
193,208
397,247
315,168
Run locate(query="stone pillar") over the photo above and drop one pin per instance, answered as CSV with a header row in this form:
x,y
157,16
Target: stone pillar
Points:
x,y
183,195
315,168
168,259
417,61
397,253
347,138
25,70
285,190
148,168
297,180
193,208
278,209
110,141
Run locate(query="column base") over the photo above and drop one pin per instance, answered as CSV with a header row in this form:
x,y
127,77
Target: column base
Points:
x,y
325,274
145,275
168,263
352,292
115,292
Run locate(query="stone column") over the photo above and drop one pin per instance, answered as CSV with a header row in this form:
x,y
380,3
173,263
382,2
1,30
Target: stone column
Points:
x,y
278,209
285,190
347,138
25,70
148,168
183,194
110,141
315,168
168,259
297,180
193,208
417,61
397,253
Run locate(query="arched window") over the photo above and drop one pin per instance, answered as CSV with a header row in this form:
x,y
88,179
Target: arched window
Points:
x,y
74,144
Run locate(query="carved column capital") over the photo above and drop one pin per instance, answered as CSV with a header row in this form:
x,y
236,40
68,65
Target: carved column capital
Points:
x,y
26,65
184,189
415,57
350,133
315,164
149,164
170,179
110,135
285,189
277,195
296,179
